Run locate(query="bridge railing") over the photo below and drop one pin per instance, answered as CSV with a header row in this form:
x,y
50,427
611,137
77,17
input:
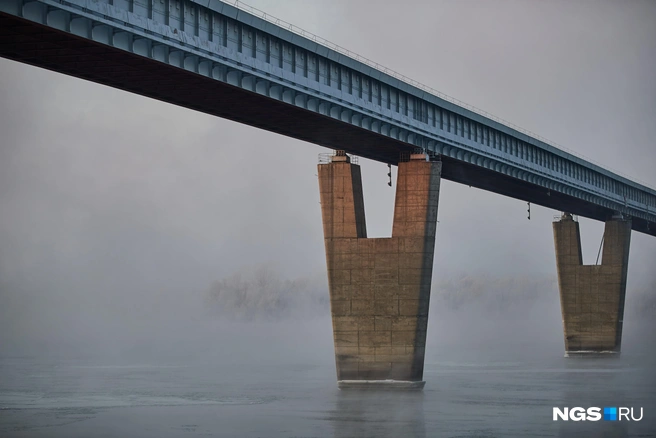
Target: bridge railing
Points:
x,y
320,40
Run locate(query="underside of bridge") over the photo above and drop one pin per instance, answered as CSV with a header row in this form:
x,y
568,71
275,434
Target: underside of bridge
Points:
x,y
63,52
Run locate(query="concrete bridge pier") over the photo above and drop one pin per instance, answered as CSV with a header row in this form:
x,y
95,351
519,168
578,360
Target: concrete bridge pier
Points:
x,y
592,296
379,287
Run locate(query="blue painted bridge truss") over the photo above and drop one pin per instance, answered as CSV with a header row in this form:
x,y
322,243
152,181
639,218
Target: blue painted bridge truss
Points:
x,y
217,58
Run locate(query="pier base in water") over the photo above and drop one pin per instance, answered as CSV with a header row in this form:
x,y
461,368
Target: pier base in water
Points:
x,y
381,384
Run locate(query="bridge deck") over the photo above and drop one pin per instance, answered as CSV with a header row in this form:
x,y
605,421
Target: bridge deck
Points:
x,y
530,178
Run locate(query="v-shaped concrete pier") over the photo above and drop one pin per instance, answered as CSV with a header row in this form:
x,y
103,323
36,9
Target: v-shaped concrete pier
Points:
x,y
380,287
592,296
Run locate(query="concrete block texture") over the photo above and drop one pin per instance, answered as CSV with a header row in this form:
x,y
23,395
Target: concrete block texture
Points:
x,y
380,288
592,296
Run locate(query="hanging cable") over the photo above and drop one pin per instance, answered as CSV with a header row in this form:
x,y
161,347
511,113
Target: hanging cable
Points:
x,y
600,245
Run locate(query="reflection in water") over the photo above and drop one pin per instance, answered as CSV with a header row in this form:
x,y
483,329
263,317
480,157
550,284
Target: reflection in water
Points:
x,y
376,414
597,429
600,383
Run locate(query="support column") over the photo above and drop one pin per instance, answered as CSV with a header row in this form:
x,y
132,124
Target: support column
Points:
x,y
379,288
592,296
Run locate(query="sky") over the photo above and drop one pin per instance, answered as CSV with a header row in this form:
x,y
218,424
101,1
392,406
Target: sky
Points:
x,y
115,204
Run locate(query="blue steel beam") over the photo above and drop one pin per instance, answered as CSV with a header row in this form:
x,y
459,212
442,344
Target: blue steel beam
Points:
x,y
227,46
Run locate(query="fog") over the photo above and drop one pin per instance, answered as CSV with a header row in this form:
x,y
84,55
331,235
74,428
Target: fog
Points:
x,y
119,215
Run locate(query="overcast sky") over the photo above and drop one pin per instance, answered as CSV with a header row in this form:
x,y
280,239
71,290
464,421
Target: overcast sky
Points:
x,y
106,197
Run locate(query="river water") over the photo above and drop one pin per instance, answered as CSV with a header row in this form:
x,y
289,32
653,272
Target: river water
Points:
x,y
488,396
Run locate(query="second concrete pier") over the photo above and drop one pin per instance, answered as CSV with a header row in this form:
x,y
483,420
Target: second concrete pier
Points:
x,y
592,296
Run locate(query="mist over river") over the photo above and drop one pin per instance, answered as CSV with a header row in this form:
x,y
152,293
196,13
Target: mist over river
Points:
x,y
491,371
163,271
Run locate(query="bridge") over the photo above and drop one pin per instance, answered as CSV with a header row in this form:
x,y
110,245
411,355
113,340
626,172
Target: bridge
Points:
x,y
246,66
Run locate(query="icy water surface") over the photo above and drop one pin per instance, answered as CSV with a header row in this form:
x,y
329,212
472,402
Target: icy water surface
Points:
x,y
177,398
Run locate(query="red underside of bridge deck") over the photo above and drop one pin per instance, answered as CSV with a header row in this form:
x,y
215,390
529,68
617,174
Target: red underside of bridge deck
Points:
x,y
62,52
